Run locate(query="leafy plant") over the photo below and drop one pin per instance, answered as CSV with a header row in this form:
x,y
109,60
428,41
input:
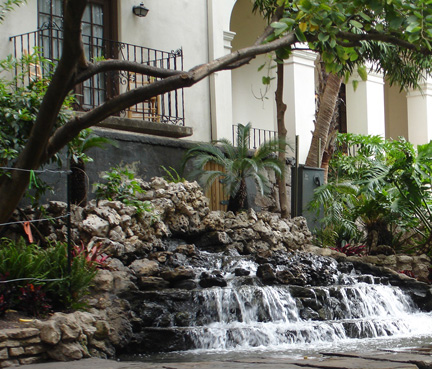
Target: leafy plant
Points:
x,y
236,165
350,249
78,148
120,184
94,256
34,278
172,175
20,99
379,195
8,6
33,300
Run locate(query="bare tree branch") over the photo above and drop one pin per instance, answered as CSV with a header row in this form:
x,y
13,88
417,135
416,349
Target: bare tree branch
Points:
x,y
123,65
180,80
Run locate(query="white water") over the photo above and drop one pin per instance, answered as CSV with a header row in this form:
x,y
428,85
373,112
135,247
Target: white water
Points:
x,y
249,319
252,317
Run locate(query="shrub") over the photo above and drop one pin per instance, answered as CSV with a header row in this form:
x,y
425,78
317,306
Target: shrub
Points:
x,y
19,106
120,184
39,279
380,195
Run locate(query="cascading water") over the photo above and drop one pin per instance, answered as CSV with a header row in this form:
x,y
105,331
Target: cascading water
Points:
x,y
342,309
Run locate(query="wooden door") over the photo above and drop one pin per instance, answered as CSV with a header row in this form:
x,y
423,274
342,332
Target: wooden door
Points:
x,y
218,198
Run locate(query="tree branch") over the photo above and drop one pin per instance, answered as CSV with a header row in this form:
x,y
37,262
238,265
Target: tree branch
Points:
x,y
123,65
381,37
186,79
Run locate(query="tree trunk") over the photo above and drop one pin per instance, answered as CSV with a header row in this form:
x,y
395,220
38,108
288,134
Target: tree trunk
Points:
x,y
324,118
238,202
12,189
282,132
78,190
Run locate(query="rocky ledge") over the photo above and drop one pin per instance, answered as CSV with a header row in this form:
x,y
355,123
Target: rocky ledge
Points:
x,y
158,260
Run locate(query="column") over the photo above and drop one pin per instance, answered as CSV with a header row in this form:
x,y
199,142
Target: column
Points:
x,y
419,104
365,105
299,96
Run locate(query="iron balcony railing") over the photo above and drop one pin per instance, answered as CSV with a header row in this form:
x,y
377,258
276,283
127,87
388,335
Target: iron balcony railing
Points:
x,y
257,136
48,41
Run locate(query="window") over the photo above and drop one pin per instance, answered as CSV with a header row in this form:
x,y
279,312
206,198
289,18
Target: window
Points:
x,y
98,30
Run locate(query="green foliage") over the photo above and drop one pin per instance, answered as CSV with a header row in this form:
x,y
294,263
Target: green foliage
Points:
x,y
383,188
19,106
236,162
396,36
86,140
41,275
120,184
172,175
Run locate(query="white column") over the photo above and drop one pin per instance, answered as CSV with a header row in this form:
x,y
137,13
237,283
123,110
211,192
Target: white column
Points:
x,y
419,104
299,96
365,105
220,38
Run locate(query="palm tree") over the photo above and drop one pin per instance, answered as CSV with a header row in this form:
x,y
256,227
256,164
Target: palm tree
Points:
x,y
237,164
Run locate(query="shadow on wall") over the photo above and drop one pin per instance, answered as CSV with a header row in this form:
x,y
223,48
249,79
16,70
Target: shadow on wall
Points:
x,y
145,154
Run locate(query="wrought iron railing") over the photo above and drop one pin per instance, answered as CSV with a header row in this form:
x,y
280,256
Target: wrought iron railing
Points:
x,y
257,136
164,108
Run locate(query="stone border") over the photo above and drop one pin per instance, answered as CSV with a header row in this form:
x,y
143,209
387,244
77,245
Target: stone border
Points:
x,y
63,337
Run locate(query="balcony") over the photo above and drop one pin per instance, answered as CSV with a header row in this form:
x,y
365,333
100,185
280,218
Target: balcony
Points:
x,y
257,136
154,116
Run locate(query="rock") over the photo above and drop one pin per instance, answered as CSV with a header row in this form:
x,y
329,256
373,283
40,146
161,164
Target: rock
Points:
x,y
240,272
66,352
70,329
266,273
152,283
50,332
103,281
102,330
211,280
212,240
177,274
186,284
95,226
145,267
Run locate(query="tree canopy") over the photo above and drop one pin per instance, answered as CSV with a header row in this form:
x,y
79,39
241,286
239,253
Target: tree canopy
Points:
x,y
394,35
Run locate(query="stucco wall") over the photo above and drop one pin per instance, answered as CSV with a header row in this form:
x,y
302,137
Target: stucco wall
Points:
x,y
252,101
396,112
167,27
21,20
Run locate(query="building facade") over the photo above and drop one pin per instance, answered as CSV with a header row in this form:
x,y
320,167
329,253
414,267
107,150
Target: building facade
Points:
x,y
181,34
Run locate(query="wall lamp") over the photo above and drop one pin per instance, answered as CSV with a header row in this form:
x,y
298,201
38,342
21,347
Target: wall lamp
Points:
x,y
140,10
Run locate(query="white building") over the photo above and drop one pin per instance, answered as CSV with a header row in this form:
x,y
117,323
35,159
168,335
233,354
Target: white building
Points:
x,y
205,30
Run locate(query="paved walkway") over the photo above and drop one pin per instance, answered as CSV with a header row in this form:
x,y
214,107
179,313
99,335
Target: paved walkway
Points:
x,y
413,359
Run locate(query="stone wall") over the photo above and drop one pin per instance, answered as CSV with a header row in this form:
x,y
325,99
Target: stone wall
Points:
x,y
146,154
63,337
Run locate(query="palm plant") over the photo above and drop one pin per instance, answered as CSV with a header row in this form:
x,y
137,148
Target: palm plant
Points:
x,y
78,148
236,165
380,195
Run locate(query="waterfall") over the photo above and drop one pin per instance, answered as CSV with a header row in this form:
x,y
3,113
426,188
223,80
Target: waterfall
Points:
x,y
246,316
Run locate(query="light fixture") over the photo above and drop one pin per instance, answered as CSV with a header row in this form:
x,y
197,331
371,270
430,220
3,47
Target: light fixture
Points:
x,y
140,10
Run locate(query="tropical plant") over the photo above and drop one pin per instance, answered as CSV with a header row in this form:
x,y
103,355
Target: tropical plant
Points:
x,y
78,148
172,175
120,184
35,279
379,195
237,165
